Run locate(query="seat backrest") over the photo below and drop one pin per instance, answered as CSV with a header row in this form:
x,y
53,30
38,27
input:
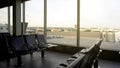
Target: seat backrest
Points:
x,y
40,39
4,47
86,62
5,40
0,35
31,41
99,44
18,43
5,34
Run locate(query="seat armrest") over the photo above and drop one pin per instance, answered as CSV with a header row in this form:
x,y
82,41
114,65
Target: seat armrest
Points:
x,y
100,50
63,64
74,57
70,60
84,51
52,45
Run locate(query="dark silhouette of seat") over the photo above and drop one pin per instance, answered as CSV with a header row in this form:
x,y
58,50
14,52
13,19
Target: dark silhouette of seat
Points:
x,y
42,44
5,41
18,45
91,58
31,43
5,50
87,58
19,48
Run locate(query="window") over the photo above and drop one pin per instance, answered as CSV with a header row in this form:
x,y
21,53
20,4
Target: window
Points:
x,y
1,28
3,20
100,19
34,17
61,22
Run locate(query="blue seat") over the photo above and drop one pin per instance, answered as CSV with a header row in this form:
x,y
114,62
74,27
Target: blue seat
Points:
x,y
31,42
5,34
5,40
5,50
42,43
18,45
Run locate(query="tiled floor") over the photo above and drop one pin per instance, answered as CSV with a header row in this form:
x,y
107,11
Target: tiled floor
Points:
x,y
52,60
108,64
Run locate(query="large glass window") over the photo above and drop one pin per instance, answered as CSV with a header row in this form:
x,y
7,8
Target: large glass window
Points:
x,y
100,19
34,16
3,20
61,22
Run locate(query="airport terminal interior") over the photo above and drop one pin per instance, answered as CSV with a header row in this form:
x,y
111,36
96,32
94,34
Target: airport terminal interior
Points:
x,y
51,47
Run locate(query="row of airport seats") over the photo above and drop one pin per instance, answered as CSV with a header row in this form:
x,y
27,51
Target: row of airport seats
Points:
x,y
86,58
17,46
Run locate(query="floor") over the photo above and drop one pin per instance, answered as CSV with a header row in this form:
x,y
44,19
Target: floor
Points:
x,y
108,64
86,42
52,60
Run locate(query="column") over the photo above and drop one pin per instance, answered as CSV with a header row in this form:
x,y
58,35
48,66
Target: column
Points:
x,y
45,19
9,19
17,17
23,24
78,23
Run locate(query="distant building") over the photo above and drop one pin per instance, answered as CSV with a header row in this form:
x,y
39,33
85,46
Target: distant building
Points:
x,y
56,30
95,30
85,29
30,31
34,30
38,31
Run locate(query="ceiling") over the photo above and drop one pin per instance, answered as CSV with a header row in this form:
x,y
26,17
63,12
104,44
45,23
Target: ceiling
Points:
x,y
5,3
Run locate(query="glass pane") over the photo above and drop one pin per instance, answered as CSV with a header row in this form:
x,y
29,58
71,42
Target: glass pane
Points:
x,y
3,20
61,22
99,19
34,16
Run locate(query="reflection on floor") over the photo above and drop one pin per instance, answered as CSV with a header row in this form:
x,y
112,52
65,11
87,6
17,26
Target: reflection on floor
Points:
x,y
52,60
86,42
108,64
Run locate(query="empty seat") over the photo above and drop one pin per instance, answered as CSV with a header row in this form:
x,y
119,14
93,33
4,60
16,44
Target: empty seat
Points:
x,y
5,34
31,43
5,50
5,40
91,57
18,45
42,43
85,59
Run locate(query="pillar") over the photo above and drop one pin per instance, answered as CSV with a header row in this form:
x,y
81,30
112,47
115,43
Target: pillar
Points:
x,y
17,17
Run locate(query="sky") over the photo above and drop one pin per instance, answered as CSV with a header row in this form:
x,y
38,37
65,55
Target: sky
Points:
x,y
63,13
